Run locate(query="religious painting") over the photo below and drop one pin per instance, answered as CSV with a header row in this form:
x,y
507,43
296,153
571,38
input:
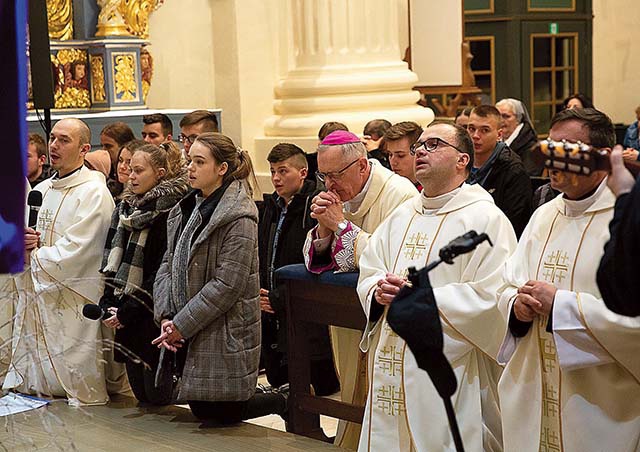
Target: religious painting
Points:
x,y
70,78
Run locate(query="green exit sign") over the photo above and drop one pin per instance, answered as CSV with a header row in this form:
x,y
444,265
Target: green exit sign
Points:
x,y
553,28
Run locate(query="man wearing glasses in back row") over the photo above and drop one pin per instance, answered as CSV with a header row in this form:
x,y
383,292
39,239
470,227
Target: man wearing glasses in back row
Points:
x,y
193,124
360,194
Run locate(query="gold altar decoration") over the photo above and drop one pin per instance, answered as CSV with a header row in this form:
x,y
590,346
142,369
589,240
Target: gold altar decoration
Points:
x,y
98,93
110,21
124,68
146,66
71,84
60,19
136,15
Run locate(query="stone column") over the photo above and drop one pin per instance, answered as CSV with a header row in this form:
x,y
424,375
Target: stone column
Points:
x,y
347,67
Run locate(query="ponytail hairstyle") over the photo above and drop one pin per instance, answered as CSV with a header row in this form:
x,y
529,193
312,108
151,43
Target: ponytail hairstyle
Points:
x,y
175,164
238,161
159,158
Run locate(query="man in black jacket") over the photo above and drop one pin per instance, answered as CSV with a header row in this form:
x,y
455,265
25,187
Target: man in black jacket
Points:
x,y
497,168
617,275
284,222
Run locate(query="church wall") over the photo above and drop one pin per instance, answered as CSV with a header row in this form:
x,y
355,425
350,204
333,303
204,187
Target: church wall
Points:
x,y
220,54
181,43
616,58
248,65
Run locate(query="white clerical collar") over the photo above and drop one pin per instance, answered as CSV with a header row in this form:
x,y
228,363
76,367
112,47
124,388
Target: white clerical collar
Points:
x,y
577,208
514,134
430,205
354,203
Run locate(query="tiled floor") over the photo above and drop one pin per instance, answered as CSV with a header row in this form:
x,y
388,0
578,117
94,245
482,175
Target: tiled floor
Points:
x,y
329,424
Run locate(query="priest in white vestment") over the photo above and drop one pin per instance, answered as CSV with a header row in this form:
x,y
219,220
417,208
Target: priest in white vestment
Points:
x,y
360,194
404,411
572,376
56,351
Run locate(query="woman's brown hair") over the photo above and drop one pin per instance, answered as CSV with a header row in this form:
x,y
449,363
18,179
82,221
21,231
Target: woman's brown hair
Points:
x,y
223,150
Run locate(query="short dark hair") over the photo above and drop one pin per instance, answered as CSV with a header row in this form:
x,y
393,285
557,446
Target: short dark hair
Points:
x,y
485,111
165,122
329,127
38,142
284,151
408,129
462,141
376,128
208,119
119,131
602,134
584,100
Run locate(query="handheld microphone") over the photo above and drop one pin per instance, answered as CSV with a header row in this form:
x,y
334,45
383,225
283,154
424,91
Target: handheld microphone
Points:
x,y
95,312
34,201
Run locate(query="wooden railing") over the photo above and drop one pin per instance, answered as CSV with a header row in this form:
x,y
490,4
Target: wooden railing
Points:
x,y
326,299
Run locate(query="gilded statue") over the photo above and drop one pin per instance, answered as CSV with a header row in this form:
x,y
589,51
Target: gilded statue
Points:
x,y
126,17
60,19
136,15
110,21
146,66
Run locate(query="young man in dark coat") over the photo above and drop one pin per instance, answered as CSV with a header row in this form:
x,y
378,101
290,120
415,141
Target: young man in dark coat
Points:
x,y
497,168
282,229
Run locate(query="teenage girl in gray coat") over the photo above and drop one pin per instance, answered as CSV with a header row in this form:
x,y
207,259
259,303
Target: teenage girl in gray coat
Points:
x,y
206,291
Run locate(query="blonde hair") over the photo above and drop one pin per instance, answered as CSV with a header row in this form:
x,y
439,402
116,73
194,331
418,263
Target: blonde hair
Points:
x,y
238,160
163,156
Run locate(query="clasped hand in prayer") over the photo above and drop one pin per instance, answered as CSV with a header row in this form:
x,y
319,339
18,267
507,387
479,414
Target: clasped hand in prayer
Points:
x,y
327,209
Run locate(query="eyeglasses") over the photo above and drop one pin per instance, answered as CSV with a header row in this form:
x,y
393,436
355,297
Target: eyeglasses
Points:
x,y
334,175
187,139
430,145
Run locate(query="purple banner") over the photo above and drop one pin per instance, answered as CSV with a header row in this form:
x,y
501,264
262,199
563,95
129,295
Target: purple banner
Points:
x,y
13,98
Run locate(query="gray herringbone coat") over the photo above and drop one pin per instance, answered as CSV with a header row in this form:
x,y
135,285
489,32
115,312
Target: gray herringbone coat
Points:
x,y
221,320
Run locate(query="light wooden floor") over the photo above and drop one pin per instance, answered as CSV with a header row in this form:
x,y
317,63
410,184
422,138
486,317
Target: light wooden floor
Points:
x,y
123,426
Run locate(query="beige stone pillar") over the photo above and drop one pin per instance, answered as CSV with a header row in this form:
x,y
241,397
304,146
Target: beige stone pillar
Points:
x,y
347,67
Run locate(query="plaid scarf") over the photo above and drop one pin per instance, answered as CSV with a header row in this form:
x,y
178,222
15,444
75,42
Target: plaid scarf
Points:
x,y
123,258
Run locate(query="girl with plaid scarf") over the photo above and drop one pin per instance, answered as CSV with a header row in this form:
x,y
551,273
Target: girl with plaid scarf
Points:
x,y
133,252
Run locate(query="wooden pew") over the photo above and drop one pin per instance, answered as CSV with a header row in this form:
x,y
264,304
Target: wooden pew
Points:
x,y
326,299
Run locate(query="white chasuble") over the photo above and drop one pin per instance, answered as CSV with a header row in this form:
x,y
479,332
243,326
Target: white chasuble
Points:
x,y
576,388
404,411
56,351
385,192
